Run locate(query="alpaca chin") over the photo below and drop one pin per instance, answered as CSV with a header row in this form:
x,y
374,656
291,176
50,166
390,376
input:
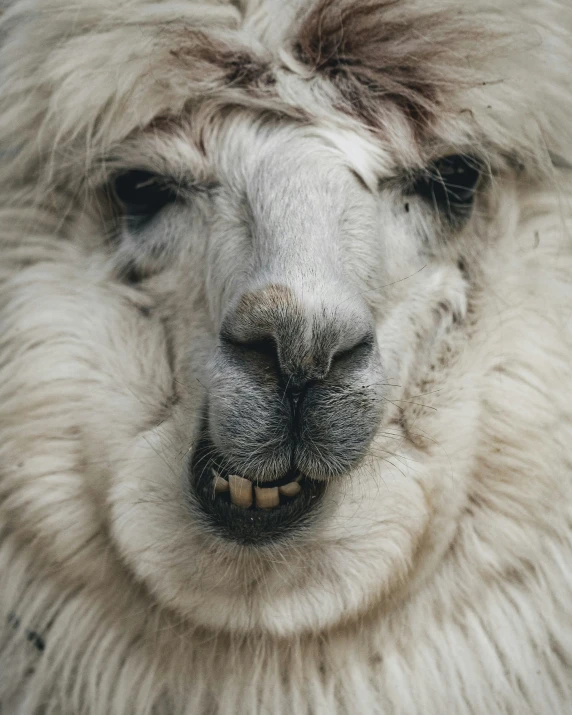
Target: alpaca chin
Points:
x,y
285,388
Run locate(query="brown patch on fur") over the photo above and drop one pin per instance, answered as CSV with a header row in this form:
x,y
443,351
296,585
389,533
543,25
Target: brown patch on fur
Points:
x,y
376,52
267,301
229,65
228,75
163,124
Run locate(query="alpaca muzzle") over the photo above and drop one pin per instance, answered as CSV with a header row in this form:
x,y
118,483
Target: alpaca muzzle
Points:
x,y
293,402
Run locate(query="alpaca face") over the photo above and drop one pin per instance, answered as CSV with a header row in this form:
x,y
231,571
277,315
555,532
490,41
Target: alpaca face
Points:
x,y
250,303
285,304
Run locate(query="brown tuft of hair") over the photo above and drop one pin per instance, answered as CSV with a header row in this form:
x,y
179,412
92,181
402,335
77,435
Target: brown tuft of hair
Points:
x,y
235,66
382,51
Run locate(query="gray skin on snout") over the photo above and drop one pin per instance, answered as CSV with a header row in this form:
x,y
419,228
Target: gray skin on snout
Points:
x,y
296,382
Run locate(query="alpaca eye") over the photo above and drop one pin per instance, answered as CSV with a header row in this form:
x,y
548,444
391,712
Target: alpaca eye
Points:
x,y
450,185
142,194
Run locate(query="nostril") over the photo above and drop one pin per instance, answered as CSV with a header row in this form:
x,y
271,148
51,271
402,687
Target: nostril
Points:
x,y
362,348
265,347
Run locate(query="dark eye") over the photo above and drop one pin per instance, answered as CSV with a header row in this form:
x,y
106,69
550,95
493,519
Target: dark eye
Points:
x,y
142,194
450,184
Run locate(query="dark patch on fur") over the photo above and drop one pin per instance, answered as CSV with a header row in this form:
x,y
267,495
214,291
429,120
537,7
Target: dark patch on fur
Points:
x,y
230,65
132,273
360,180
375,53
244,70
32,636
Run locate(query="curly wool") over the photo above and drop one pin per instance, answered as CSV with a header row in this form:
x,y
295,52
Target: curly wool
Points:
x,y
486,626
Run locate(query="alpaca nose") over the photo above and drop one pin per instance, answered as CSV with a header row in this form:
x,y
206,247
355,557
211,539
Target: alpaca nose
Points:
x,y
300,336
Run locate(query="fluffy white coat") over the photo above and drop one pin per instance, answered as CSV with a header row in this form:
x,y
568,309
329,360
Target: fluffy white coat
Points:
x,y
441,583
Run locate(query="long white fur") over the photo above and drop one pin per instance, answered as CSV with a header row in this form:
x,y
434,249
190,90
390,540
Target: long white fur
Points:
x,y
458,599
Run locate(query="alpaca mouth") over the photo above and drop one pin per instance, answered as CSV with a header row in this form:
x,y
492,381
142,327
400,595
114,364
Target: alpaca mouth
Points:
x,y
245,511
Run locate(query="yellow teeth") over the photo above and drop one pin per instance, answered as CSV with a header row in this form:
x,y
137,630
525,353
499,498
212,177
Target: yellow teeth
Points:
x,y
267,498
290,489
240,491
220,483
242,495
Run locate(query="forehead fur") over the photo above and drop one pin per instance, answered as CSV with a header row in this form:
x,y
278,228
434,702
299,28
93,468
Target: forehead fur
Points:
x,y
75,84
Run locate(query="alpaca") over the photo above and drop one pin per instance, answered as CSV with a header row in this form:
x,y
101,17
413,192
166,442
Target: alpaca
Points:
x,y
285,376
